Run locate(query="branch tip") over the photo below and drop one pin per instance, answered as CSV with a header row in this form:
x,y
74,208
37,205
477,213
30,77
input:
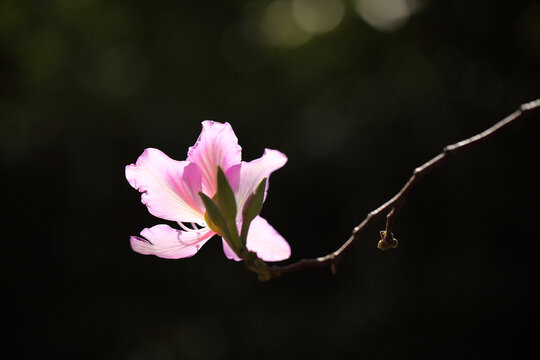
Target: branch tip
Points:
x,y
396,202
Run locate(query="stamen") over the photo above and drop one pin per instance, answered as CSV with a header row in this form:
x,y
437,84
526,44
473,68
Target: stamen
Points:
x,y
184,227
188,243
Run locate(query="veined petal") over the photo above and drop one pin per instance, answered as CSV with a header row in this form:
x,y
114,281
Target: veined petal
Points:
x,y
217,146
170,188
266,241
166,242
245,177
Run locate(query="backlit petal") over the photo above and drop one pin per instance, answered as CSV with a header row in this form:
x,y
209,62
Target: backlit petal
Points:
x,y
266,241
166,242
245,177
229,253
169,188
217,146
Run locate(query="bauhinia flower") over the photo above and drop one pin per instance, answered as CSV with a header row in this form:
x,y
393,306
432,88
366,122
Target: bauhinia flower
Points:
x,y
177,191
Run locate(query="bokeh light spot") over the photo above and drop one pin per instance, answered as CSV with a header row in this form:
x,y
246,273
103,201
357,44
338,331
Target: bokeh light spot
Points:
x,y
279,28
386,15
318,16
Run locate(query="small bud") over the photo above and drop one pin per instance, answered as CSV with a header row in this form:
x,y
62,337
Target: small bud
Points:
x,y
387,241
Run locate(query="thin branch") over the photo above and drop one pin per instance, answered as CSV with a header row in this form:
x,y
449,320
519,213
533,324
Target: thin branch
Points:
x,y
392,207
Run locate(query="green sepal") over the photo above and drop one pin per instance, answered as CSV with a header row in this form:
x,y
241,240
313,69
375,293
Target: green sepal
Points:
x,y
252,208
213,216
215,220
225,197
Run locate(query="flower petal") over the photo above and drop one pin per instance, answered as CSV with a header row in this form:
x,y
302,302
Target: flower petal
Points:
x,y
245,177
166,242
170,188
229,253
217,146
266,241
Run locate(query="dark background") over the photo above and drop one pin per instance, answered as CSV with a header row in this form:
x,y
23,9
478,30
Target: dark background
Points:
x,y
86,85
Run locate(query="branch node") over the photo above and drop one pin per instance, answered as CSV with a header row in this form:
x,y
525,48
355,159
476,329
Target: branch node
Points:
x,y
530,105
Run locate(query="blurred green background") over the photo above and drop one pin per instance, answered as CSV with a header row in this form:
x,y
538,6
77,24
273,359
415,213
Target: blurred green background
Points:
x,y
357,94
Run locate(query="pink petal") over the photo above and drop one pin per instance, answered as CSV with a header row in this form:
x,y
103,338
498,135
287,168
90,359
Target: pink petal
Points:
x,y
170,188
229,253
217,146
245,177
166,242
266,241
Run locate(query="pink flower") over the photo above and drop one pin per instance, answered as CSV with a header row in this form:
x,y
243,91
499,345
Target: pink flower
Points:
x,y
170,189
